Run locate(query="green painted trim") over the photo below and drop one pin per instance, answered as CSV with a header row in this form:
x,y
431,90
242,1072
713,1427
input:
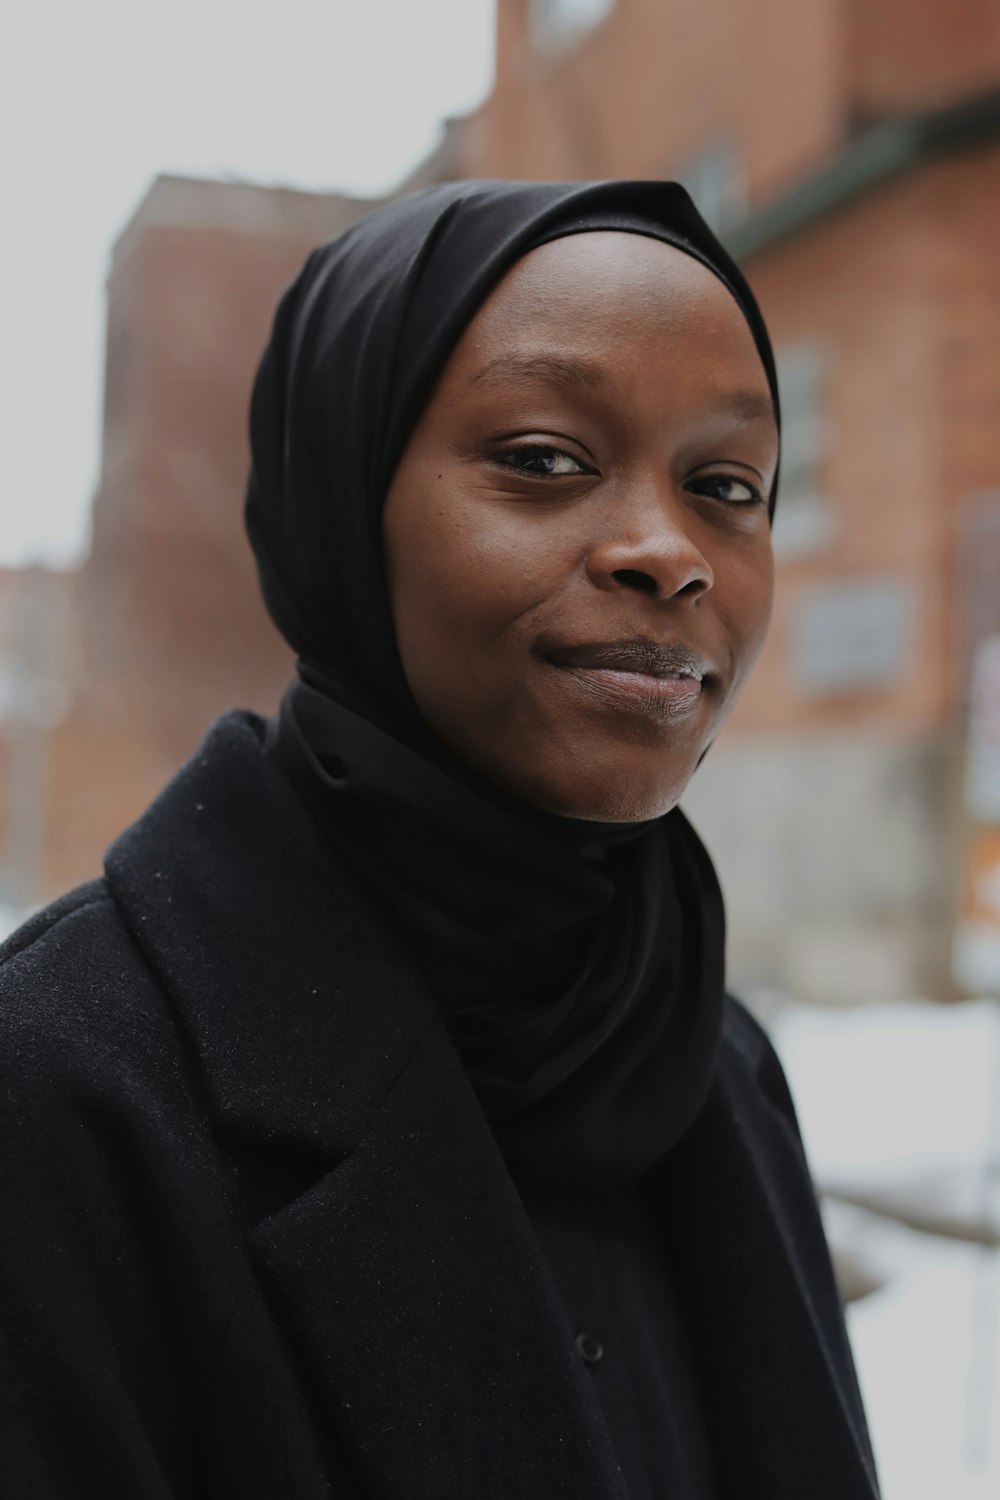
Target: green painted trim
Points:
x,y
881,155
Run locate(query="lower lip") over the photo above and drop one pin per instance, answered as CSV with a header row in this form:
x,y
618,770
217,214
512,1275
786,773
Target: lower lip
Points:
x,y
664,699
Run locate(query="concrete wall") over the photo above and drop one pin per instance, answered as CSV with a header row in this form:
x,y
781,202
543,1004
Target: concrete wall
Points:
x,y
837,855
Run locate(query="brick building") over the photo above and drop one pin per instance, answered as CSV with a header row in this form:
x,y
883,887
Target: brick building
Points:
x,y
35,663
849,153
163,627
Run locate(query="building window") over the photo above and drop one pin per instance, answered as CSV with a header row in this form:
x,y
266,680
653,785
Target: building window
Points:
x,y
715,180
854,635
804,520
557,24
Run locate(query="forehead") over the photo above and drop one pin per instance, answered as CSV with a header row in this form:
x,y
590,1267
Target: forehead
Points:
x,y
615,296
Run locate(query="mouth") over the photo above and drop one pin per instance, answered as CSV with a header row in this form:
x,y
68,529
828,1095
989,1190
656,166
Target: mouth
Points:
x,y
662,681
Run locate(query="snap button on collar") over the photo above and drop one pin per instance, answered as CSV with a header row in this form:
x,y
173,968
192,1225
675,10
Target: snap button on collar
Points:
x,y
590,1347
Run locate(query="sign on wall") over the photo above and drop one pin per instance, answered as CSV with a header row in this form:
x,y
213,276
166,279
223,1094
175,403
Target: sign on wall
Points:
x,y
855,635
976,958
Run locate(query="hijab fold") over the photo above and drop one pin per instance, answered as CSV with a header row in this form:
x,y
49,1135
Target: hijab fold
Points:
x,y
579,966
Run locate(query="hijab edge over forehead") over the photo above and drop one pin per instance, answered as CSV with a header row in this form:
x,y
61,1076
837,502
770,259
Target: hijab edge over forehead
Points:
x,y
658,210
359,342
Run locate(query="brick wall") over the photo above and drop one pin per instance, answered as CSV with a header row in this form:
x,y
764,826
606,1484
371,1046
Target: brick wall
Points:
x,y
168,626
660,79
912,55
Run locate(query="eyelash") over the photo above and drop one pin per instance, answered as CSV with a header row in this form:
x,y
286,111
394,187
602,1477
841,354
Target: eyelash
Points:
x,y
535,450
756,494
507,458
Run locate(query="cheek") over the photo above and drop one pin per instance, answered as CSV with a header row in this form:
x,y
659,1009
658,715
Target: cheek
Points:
x,y
451,591
748,597
460,569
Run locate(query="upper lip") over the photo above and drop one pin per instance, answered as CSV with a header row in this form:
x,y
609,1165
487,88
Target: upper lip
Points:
x,y
652,658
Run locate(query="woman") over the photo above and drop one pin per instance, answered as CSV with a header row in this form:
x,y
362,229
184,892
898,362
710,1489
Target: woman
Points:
x,y
378,1125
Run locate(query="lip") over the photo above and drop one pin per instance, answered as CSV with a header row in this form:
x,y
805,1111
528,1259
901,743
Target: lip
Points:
x,y
662,681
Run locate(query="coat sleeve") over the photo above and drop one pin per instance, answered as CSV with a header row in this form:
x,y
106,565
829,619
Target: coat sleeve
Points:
x,y
93,1400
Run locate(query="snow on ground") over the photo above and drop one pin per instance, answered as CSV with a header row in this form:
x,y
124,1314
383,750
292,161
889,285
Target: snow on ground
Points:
x,y
900,1110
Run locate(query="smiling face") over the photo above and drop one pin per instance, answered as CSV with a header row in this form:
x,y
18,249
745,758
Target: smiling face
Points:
x,y
576,538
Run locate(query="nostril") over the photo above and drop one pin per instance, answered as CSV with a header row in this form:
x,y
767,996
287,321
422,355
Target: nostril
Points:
x,y
633,578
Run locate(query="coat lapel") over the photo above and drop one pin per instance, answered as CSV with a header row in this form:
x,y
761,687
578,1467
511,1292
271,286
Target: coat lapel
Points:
x,y
411,1282
414,1283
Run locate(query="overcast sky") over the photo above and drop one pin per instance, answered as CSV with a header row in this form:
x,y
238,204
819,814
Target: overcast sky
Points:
x,y
97,98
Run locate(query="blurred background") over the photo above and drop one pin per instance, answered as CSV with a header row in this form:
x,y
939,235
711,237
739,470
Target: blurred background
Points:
x,y
170,167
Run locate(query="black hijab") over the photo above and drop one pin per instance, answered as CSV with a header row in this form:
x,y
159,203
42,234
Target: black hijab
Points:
x,y
579,966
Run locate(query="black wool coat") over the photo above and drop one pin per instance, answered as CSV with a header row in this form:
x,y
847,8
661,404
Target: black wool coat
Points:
x,y
258,1242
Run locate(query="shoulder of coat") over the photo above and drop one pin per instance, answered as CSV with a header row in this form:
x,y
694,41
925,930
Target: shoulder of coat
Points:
x,y
749,1046
83,1021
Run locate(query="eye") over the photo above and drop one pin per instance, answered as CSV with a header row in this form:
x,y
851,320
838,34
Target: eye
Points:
x,y
732,489
541,461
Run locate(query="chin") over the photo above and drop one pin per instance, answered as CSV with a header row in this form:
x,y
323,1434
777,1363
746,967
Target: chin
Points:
x,y
623,809
614,797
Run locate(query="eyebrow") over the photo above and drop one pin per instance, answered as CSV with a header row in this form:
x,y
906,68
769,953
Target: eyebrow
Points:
x,y
555,370
745,406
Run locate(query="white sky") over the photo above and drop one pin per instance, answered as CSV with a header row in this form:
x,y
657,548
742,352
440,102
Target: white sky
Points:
x,y
97,98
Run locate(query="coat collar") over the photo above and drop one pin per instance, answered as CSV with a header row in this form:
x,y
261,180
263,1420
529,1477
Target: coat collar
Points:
x,y
408,1271
264,944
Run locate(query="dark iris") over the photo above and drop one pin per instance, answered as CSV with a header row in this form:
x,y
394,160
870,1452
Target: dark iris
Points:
x,y
722,487
545,463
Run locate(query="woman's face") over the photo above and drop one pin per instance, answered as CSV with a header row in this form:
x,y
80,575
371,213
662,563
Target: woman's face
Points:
x,y
577,544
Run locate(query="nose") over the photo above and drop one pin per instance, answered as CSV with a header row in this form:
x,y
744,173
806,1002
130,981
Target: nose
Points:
x,y
650,546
